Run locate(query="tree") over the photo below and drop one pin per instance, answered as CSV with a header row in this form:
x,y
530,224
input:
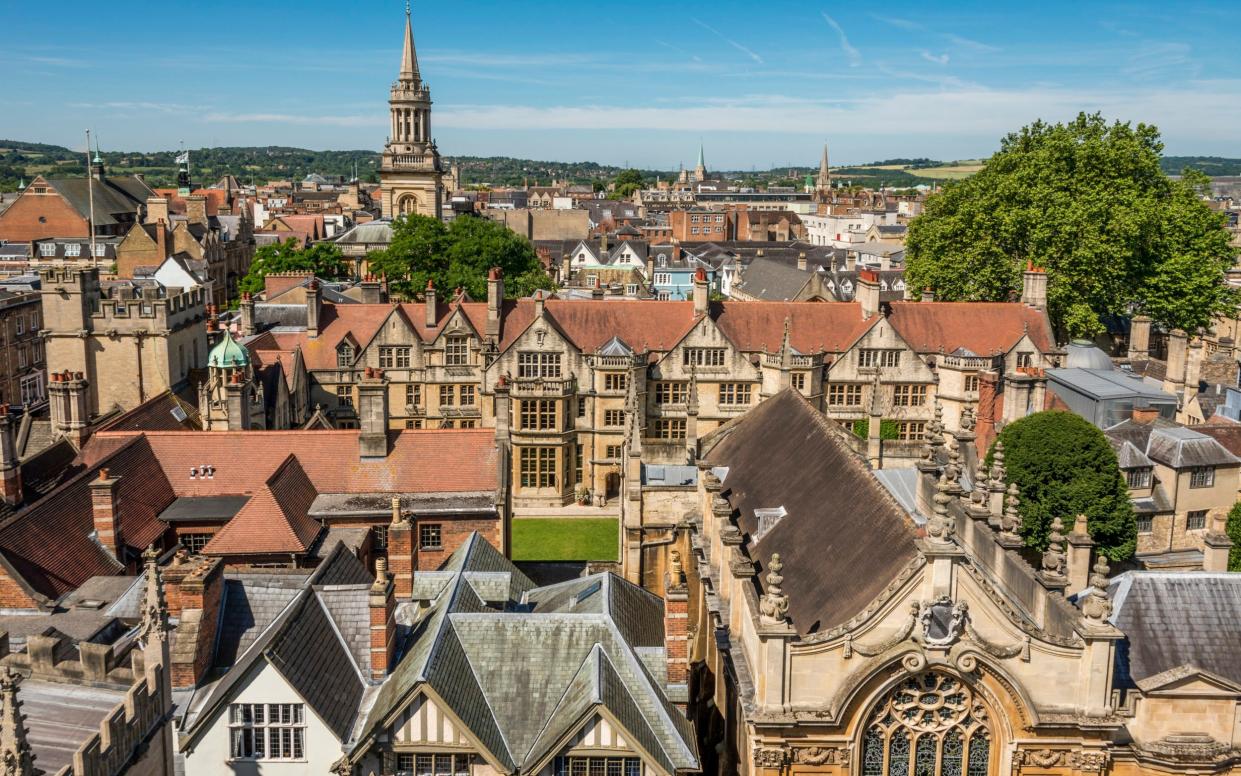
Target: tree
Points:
x,y
627,182
323,260
1065,467
1088,202
458,255
1233,529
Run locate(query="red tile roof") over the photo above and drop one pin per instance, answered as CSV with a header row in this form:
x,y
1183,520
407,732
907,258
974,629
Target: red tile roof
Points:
x,y
829,327
274,520
50,544
983,327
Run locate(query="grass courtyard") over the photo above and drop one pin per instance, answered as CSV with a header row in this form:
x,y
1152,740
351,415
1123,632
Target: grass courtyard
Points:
x,y
565,538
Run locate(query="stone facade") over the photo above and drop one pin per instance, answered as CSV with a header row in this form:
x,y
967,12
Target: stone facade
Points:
x,y
411,173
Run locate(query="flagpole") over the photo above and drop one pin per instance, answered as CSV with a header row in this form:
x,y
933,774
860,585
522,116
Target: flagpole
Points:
x,y
90,194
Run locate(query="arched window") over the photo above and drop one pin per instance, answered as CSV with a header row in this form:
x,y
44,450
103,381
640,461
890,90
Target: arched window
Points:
x,y
928,725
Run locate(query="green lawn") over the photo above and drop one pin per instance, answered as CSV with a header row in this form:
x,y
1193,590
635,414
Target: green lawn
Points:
x,y
565,538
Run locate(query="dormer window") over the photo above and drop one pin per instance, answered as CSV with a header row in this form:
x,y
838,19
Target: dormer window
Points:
x,y
47,249
344,355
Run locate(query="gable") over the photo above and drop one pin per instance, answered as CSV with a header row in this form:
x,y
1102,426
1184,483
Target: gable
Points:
x,y
424,721
595,734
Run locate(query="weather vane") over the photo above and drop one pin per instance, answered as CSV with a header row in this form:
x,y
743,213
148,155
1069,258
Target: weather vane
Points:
x,y
407,7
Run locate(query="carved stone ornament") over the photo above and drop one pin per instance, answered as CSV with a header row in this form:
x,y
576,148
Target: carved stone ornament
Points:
x,y
943,621
821,755
1042,758
1087,761
967,417
342,767
1054,557
1010,523
1096,606
774,605
770,758
870,650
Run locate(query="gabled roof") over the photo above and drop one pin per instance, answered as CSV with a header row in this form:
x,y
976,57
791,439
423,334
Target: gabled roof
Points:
x,y
983,327
274,520
786,453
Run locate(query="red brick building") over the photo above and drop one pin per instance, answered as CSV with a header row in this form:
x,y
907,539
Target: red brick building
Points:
x,y
61,207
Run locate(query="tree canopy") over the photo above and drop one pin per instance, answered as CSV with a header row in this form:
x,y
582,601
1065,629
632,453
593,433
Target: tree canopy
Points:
x,y
1233,529
1065,467
457,255
1088,202
324,260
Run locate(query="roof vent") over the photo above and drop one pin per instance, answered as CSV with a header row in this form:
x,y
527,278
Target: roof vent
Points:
x,y
590,590
768,517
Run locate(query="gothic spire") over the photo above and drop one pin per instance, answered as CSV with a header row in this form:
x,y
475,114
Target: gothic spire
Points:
x,y
409,56
825,176
14,748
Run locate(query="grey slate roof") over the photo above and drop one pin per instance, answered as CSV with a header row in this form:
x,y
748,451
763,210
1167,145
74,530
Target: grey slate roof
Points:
x,y
773,281
1172,620
1168,443
113,196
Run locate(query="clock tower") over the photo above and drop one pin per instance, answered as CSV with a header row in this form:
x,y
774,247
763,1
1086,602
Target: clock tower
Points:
x,y
410,173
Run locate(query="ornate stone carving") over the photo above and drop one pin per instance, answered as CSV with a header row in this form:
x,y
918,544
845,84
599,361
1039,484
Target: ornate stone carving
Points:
x,y
774,605
1042,758
1087,760
675,569
16,758
940,526
821,755
154,624
768,757
1010,524
342,767
942,621
1054,557
884,646
1004,652
1096,606
998,474
1190,747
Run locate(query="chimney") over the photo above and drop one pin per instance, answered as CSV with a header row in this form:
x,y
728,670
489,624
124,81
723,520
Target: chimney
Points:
x,y
503,410
1139,338
928,294
382,604
988,409
432,311
372,291
236,402
247,314
78,427
10,467
373,414
313,303
193,586
867,294
566,269
157,210
702,298
850,261
161,239
107,516
1145,415
1178,351
401,552
1034,286
801,261
495,301
650,270
596,293
539,297
1079,555
196,209
1193,368
1216,544
676,620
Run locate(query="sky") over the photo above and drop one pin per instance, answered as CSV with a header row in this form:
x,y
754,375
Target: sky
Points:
x,y
760,84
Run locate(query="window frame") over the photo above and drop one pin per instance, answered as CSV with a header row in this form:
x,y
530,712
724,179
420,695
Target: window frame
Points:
x,y
1202,477
273,732
431,537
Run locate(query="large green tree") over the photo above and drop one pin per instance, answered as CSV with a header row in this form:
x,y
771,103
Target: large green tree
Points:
x,y
1233,529
324,260
1088,202
1065,467
458,255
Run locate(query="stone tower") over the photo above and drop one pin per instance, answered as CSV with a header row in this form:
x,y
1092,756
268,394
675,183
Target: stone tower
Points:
x,y
824,181
700,169
410,175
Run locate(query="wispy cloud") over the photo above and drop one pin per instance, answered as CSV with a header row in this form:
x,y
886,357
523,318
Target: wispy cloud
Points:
x,y
56,61
939,59
290,118
971,44
895,21
749,53
1159,59
679,50
854,56
172,108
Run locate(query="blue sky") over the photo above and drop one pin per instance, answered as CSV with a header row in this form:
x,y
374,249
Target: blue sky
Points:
x,y
761,83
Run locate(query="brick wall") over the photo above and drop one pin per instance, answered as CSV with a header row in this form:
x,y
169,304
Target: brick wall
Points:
x,y
453,533
12,596
21,222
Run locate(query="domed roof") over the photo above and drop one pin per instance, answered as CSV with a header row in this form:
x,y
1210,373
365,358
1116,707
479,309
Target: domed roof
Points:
x,y
228,353
1083,354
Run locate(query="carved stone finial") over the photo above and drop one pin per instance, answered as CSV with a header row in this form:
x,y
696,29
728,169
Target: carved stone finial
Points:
x,y
952,472
1096,606
154,623
343,767
1054,557
978,496
675,569
937,423
998,474
1010,524
940,526
397,519
967,418
774,605
16,758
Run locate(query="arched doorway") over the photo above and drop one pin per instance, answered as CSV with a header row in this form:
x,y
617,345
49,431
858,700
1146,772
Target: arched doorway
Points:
x,y
930,724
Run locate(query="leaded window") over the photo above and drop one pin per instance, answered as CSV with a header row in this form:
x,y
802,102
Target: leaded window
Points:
x,y
929,725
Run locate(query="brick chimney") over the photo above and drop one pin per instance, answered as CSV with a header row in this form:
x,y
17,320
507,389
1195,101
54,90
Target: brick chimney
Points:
x,y
432,311
1178,354
867,294
107,514
1034,286
314,299
1139,338
10,466
373,414
247,314
161,239
194,587
196,209
401,552
989,409
495,301
157,210
372,290
702,295
676,621
382,605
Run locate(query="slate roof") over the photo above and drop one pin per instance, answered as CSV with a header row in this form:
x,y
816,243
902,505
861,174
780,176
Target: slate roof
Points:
x,y
523,673
158,413
1168,443
1173,620
784,453
112,196
772,280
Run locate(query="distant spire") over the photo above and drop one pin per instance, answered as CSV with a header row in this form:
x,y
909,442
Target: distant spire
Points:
x,y
825,176
409,57
702,161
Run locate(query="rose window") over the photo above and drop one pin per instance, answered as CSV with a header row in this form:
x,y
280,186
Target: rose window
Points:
x,y
928,725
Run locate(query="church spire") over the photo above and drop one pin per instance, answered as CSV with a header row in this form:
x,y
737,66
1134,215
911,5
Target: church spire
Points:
x,y
409,56
824,180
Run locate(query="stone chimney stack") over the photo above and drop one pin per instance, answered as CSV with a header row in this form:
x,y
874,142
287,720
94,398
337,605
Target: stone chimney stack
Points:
x,y
1139,338
157,210
1193,368
495,302
107,514
1080,545
432,311
373,414
314,299
566,269
372,290
702,295
10,467
928,294
1216,544
382,604
196,209
401,552
867,294
802,263
247,314
1178,353
1034,286
237,402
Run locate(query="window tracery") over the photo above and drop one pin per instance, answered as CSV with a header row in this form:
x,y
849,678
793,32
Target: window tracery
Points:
x,y
931,724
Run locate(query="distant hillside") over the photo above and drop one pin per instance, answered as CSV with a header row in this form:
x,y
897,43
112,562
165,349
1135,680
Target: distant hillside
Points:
x,y
23,160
